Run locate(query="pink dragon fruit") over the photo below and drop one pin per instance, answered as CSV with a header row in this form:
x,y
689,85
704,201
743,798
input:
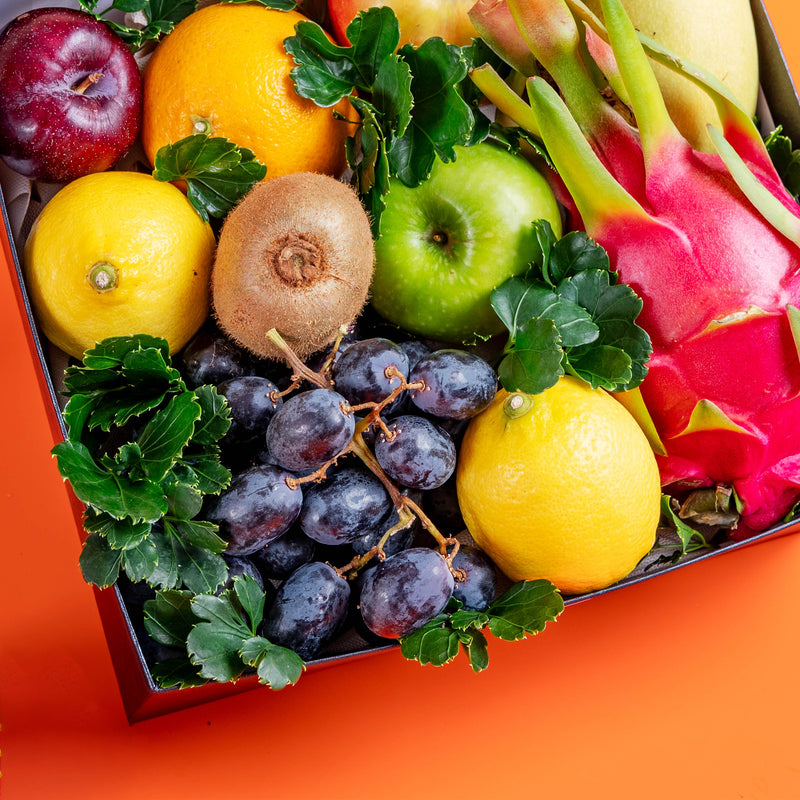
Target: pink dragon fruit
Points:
x,y
711,242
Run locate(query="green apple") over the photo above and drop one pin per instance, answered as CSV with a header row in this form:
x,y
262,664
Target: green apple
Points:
x,y
447,243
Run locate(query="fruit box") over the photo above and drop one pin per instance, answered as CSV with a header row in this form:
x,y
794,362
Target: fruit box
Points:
x,y
142,698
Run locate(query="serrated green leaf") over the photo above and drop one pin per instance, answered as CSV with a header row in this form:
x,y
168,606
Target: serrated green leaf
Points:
x,y
140,561
165,575
217,172
215,415
276,666
440,119
184,500
200,569
785,159
114,494
167,433
603,367
528,605
99,564
465,618
168,618
391,95
535,362
434,644
326,72
214,643
251,597
177,673
203,470
575,252
476,649
120,533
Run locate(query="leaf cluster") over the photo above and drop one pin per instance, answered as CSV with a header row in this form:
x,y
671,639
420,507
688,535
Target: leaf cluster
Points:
x,y
161,16
568,314
142,451
785,158
415,104
523,609
219,634
216,172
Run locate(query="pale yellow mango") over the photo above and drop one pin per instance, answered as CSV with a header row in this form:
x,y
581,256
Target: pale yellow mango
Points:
x,y
718,35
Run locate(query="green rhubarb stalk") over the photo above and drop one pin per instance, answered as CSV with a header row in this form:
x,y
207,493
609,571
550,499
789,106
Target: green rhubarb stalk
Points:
x,y
655,125
762,199
504,98
597,194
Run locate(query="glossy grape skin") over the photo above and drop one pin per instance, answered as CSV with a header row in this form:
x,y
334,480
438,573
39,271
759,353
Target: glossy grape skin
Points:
x,y
359,372
251,405
282,556
345,505
414,350
212,358
404,592
480,587
419,454
309,611
309,429
458,385
256,508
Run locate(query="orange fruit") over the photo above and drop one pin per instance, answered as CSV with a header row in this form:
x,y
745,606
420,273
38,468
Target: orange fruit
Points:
x,y
119,253
224,70
562,486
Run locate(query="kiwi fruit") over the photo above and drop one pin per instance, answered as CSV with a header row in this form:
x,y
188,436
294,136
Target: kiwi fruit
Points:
x,y
296,254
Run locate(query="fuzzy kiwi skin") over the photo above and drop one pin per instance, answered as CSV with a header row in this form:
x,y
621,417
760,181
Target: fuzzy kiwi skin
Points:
x,y
296,254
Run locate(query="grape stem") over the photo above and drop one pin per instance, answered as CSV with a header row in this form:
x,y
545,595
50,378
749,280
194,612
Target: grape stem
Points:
x,y
299,370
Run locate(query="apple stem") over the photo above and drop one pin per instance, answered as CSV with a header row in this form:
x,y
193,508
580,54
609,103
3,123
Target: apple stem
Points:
x,y
90,80
103,277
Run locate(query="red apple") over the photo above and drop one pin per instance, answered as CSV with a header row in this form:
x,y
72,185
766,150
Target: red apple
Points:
x,y
419,19
70,95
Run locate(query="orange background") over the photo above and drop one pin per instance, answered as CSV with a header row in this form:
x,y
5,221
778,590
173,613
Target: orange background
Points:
x,y
682,687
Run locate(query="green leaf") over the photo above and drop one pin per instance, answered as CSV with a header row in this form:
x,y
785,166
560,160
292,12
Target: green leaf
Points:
x,y
214,642
184,500
440,119
200,533
161,16
168,617
164,437
114,494
165,575
686,533
603,367
535,361
433,643
785,159
176,673
216,172
215,415
122,534
575,252
526,606
203,470
251,597
99,564
475,646
198,568
139,562
326,72
276,666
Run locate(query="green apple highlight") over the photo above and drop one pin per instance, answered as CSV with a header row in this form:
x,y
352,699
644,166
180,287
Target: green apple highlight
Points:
x,y
447,243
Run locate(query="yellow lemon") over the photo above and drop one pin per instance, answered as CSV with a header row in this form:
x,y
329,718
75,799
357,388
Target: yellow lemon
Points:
x,y
117,253
562,485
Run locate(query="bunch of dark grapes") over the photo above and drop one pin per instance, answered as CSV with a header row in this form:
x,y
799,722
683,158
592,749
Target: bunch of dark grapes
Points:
x,y
334,466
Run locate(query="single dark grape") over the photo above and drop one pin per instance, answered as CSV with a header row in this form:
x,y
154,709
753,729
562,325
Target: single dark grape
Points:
x,y
252,407
405,591
282,556
309,610
477,591
360,372
414,350
213,358
309,429
256,508
416,453
345,505
458,385
241,565
399,540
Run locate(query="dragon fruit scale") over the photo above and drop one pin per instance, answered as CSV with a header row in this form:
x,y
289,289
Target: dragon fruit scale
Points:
x,y
709,241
